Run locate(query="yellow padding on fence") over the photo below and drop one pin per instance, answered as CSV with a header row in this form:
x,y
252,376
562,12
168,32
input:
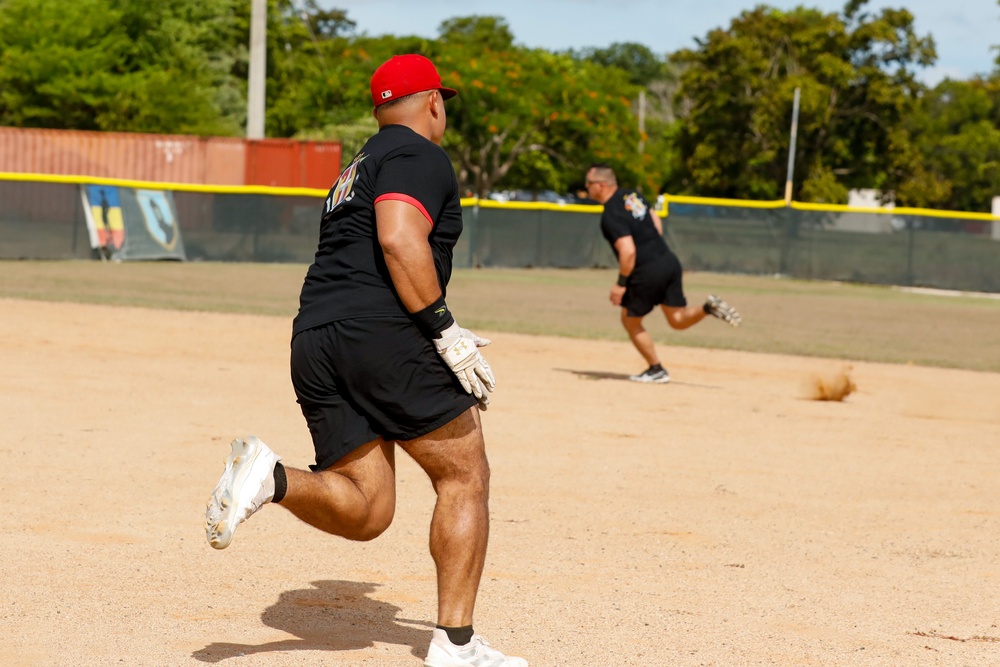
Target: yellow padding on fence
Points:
x,y
712,201
489,203
179,187
899,210
532,205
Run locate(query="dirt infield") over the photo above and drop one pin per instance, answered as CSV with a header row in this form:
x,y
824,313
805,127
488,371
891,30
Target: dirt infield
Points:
x,y
724,519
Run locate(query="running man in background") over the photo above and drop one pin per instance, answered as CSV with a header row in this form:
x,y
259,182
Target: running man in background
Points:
x,y
377,360
649,274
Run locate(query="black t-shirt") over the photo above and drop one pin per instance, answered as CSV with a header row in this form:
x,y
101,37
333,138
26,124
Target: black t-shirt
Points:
x,y
626,213
348,278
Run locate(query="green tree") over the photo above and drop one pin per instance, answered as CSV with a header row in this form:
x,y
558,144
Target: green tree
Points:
x,y
116,65
339,106
298,66
176,66
532,119
523,119
856,72
528,118
641,64
326,23
959,146
660,80
480,33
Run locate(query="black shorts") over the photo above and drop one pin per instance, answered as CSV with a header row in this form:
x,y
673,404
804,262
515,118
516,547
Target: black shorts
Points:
x,y
356,380
655,283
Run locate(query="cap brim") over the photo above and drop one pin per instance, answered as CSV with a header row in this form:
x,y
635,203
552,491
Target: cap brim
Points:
x,y
447,93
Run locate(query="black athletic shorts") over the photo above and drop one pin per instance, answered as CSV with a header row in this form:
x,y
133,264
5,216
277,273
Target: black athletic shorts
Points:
x,y
359,379
653,284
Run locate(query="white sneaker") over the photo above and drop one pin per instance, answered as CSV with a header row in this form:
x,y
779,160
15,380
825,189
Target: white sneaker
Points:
x,y
247,483
719,308
477,653
652,376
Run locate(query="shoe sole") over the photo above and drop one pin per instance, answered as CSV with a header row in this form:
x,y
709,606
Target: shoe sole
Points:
x,y
733,319
509,662
457,661
239,463
660,381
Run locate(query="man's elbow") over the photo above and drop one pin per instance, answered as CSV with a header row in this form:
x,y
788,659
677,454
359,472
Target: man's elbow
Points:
x,y
393,242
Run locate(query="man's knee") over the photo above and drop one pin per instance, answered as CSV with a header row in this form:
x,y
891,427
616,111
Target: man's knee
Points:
x,y
378,519
471,481
632,324
676,317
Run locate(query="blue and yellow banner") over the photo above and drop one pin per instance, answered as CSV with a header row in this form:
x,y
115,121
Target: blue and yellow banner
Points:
x,y
132,223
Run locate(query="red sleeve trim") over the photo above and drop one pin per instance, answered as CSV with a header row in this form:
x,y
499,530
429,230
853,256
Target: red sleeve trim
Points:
x,y
409,200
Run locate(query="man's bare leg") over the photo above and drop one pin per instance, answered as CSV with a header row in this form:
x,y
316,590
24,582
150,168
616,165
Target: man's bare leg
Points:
x,y
640,338
454,457
354,498
682,318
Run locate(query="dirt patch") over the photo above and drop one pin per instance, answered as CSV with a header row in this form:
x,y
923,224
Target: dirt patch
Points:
x,y
718,520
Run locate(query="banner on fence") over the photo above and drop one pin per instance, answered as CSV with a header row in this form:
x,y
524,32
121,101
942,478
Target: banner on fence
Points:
x,y
128,223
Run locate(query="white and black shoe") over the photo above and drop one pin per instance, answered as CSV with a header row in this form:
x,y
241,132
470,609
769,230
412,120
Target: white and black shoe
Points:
x,y
477,653
718,308
653,375
246,485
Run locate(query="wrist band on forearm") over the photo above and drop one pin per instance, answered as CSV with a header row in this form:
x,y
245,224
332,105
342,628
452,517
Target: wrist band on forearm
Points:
x,y
622,280
433,319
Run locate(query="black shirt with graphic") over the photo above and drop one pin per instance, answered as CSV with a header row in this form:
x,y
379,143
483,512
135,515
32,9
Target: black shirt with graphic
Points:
x,y
348,278
626,213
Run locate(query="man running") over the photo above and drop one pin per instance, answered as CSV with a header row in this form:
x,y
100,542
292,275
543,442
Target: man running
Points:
x,y
378,360
649,274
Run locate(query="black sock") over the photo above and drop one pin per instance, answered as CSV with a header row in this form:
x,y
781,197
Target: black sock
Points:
x,y
656,368
280,483
458,636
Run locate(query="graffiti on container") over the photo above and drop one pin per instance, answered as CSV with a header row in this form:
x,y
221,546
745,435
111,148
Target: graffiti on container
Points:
x,y
170,148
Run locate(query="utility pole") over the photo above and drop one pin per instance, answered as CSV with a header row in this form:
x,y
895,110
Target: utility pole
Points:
x,y
791,148
258,69
642,121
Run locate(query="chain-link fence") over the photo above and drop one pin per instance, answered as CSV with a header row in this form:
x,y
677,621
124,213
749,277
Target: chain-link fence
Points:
x,y
43,219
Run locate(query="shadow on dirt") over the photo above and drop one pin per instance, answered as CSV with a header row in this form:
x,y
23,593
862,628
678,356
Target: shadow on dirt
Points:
x,y
333,616
603,375
594,375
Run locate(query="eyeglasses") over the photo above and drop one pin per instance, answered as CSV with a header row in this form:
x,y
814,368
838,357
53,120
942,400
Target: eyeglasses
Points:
x,y
589,183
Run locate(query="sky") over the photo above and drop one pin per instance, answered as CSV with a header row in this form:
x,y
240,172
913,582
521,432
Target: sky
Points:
x,y
964,31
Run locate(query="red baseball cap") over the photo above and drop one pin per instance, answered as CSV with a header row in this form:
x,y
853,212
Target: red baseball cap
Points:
x,y
400,76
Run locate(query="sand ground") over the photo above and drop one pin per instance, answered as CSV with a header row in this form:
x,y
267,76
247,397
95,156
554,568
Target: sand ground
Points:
x,y
724,519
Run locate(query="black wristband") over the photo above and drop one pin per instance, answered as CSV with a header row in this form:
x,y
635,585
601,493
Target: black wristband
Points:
x,y
622,280
433,319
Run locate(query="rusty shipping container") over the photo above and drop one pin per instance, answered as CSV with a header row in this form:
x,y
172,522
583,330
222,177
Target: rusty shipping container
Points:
x,y
309,164
170,158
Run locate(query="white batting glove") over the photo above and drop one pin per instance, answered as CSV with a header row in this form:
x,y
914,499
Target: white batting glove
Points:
x,y
459,349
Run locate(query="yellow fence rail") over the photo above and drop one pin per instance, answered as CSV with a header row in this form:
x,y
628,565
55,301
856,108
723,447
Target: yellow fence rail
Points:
x,y
514,205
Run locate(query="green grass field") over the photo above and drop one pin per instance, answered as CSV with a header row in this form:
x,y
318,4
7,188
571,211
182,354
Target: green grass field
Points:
x,y
819,319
